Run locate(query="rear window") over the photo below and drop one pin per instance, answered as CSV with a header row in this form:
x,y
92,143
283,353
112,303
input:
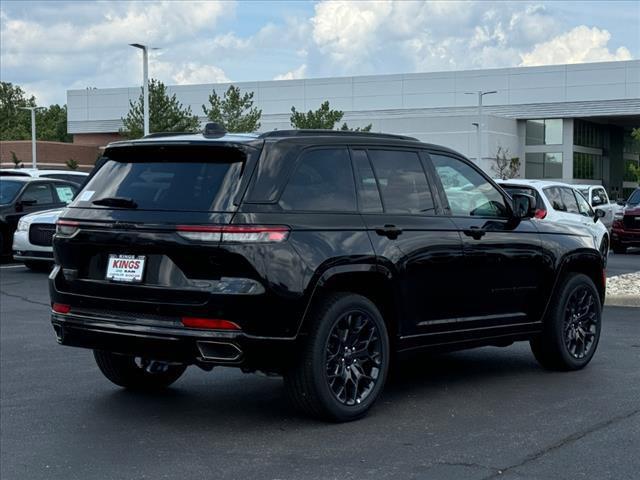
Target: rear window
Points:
x,y
511,189
204,179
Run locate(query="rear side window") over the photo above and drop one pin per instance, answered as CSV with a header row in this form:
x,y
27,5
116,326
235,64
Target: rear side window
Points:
x,y
175,179
403,183
583,205
322,181
569,200
555,198
368,194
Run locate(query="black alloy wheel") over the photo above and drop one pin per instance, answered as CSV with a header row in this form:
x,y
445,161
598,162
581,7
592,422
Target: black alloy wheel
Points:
x,y
581,322
572,325
353,357
342,361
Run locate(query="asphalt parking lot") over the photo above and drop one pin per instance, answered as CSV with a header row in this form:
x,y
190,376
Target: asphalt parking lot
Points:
x,y
480,414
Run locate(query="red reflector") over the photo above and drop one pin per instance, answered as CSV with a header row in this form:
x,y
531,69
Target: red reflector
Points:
x,y
540,213
60,308
210,323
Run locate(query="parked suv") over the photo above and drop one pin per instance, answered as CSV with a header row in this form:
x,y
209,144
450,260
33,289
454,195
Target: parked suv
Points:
x,y
626,225
316,255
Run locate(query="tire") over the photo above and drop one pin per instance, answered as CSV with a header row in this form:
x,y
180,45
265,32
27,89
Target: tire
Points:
x,y
327,364
126,371
604,250
618,249
571,329
38,265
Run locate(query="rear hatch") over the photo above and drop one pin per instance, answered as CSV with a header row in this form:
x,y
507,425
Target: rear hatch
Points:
x,y
129,235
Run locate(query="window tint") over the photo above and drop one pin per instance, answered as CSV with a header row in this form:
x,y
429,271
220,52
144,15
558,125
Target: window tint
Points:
x,y
555,198
569,200
323,181
402,181
583,205
468,192
41,193
368,194
182,180
8,190
65,193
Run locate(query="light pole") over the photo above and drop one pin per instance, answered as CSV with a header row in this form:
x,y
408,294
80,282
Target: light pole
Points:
x,y
480,94
34,163
145,84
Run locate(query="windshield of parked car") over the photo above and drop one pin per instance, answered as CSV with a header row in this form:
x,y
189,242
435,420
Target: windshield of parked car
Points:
x,y
185,179
9,190
634,199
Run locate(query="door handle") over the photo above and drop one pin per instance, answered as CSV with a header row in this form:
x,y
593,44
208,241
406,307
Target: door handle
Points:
x,y
389,231
474,232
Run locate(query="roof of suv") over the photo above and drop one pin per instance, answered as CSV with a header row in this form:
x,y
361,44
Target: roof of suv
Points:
x,y
302,136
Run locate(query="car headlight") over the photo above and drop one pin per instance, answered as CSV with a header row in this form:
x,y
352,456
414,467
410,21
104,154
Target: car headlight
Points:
x,y
23,225
618,216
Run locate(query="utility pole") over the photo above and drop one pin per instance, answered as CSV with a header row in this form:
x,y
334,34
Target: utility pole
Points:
x,y
145,84
34,162
480,94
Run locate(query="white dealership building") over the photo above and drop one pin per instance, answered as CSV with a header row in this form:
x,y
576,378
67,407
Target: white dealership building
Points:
x,y
569,122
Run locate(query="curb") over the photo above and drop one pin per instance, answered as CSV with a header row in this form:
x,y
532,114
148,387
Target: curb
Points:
x,y
622,301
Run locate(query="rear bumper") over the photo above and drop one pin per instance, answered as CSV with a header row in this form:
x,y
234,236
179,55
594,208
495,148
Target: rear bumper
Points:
x,y
165,340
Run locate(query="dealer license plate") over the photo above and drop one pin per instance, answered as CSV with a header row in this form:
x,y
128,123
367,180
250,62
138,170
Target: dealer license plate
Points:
x,y
126,268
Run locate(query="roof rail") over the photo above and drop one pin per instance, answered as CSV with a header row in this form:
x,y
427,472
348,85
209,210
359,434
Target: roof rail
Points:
x,y
166,134
320,133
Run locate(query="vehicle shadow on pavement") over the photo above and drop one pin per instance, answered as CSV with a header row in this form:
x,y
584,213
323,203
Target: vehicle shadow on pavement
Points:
x,y
200,401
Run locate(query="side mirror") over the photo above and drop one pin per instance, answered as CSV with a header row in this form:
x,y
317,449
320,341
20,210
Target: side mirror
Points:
x,y
524,206
622,203
599,214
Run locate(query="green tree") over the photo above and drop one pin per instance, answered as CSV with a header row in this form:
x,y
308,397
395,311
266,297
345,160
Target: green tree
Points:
x,y
235,112
166,114
72,164
51,124
15,124
324,118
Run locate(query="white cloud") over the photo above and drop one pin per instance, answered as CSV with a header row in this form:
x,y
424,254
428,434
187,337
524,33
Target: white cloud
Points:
x,y
581,44
296,73
197,73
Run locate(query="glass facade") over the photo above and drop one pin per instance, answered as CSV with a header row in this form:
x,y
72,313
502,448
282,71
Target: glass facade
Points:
x,y
587,166
543,165
587,134
544,132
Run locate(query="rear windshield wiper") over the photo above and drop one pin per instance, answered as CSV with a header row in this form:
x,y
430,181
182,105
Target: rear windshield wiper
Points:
x,y
121,202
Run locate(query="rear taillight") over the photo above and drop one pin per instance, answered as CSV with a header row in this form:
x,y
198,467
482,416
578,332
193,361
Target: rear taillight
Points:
x,y
66,227
60,308
209,323
540,213
234,233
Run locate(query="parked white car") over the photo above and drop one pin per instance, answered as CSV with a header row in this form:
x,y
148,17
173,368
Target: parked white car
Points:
x,y
68,175
32,241
597,197
563,203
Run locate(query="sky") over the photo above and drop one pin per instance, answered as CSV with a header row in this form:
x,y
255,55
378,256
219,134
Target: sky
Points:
x,y
49,47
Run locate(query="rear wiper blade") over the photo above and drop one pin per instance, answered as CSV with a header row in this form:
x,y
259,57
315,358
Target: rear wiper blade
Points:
x,y
116,202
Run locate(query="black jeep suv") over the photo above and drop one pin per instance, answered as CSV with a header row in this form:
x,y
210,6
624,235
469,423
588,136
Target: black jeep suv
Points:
x,y
316,255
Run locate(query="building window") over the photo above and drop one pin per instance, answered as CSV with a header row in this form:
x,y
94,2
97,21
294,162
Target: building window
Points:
x,y
543,165
587,166
631,145
544,132
630,164
587,134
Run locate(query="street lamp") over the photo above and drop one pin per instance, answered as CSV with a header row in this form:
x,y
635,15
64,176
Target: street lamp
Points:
x,y
145,83
480,94
34,163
